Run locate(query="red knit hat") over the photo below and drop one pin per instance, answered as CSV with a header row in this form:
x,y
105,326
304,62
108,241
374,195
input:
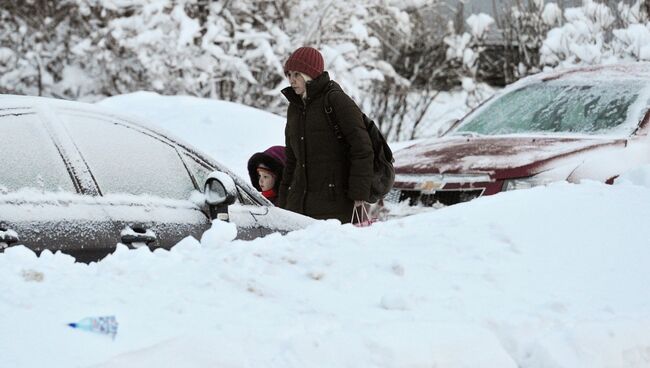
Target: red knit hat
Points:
x,y
305,60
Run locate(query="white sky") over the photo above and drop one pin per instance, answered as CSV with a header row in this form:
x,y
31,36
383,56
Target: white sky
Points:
x,y
555,276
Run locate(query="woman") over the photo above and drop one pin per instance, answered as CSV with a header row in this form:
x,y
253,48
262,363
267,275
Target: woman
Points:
x,y
323,177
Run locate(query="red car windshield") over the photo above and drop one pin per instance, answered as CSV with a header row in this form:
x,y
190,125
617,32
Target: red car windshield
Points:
x,y
561,106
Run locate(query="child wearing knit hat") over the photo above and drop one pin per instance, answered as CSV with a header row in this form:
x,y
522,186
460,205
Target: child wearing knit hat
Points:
x,y
265,170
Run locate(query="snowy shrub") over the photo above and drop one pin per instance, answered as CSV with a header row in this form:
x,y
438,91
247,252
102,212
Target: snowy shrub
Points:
x,y
524,28
393,57
594,34
464,51
353,44
160,28
233,50
244,47
633,42
40,36
414,56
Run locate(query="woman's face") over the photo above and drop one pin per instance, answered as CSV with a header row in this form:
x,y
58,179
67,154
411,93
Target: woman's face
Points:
x,y
266,180
297,82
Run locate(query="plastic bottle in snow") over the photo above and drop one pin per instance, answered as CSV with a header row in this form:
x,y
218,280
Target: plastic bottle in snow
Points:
x,y
106,325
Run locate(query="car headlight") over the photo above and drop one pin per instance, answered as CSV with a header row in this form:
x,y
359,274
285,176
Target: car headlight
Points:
x,y
525,183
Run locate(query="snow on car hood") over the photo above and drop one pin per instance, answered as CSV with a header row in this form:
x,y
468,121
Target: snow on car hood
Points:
x,y
490,154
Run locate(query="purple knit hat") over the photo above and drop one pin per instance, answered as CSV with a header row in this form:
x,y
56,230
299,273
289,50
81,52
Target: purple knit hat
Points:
x,y
273,158
277,152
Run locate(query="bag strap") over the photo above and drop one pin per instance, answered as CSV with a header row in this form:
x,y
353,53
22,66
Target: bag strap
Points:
x,y
355,216
361,215
331,115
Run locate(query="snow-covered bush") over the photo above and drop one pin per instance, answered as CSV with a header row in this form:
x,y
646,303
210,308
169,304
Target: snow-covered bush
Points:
x,y
464,52
407,59
595,33
524,29
247,42
632,40
393,57
353,37
243,49
232,50
36,41
159,36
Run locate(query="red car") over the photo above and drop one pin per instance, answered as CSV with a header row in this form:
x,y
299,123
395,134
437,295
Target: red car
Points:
x,y
573,124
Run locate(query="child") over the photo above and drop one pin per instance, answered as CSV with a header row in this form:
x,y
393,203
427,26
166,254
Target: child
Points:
x,y
265,169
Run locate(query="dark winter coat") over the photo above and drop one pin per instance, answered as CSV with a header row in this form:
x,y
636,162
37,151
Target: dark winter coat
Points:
x,y
323,176
274,158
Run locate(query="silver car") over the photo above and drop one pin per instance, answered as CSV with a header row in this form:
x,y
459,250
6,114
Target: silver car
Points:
x,y
80,179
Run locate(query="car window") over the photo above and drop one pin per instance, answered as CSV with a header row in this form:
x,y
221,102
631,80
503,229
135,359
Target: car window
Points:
x,y
558,106
29,157
197,169
244,198
124,160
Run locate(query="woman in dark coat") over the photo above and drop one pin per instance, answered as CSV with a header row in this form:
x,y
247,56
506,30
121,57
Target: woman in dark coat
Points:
x,y
265,170
324,177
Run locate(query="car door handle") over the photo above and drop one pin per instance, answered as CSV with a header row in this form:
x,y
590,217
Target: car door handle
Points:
x,y
8,237
130,235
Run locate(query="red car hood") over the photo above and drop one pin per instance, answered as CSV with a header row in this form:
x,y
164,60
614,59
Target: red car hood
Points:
x,y
497,155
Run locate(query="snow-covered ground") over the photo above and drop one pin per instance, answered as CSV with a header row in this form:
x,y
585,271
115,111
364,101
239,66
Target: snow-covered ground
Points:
x,y
554,276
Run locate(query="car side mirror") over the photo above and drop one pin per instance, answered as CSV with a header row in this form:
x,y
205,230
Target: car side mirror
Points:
x,y
220,192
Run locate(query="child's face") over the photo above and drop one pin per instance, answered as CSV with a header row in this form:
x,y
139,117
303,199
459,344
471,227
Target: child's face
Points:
x,y
267,181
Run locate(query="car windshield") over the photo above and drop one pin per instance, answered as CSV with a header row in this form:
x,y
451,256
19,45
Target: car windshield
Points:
x,y
561,106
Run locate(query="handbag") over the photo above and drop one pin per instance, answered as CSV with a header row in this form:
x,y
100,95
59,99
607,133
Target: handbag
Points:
x,y
361,217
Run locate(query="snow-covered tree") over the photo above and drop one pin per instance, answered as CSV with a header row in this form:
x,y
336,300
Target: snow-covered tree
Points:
x,y
352,36
243,50
36,42
524,28
160,35
392,56
591,35
632,40
399,102
464,50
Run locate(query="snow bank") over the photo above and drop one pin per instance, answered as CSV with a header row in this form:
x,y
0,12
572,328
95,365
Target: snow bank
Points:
x,y
549,277
638,176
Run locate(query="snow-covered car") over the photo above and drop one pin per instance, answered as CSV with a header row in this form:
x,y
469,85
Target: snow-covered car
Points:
x,y
573,124
79,178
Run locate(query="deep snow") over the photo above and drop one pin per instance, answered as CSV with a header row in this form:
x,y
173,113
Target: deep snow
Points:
x,y
553,276
548,277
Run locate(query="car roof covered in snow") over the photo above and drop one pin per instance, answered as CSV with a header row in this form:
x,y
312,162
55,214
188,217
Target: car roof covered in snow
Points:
x,y
18,103
636,70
